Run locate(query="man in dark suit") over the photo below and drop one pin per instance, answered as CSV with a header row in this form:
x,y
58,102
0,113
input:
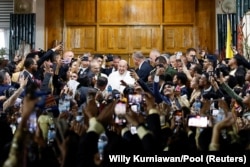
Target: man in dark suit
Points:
x,y
41,57
143,68
30,65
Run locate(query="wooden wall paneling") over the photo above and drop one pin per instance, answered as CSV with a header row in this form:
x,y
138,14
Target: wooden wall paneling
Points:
x,y
113,39
79,11
112,11
131,11
145,38
178,38
189,11
53,22
71,14
123,26
205,25
169,11
80,39
145,11
179,11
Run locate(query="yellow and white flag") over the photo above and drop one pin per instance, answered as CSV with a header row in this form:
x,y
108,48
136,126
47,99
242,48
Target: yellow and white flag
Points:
x,y
229,51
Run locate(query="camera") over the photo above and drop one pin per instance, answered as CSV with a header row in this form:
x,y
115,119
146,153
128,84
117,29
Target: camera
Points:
x,y
198,121
211,73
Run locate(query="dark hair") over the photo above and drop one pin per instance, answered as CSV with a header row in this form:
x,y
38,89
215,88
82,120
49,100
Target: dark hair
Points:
x,y
241,61
240,75
128,90
101,81
84,81
3,73
54,54
198,68
205,139
224,69
190,49
116,57
28,62
31,55
2,76
210,95
232,81
182,77
161,59
96,56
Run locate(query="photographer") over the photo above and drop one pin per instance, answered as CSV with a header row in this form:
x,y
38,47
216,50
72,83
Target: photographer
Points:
x,y
191,57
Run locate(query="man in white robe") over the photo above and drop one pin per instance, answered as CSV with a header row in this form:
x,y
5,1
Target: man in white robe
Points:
x,y
122,74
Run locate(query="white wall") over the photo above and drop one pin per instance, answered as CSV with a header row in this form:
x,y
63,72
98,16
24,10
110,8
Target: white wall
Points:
x,y
40,24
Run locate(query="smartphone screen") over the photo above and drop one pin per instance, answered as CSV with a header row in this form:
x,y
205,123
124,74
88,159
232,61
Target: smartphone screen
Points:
x,y
120,111
198,121
32,122
135,102
178,117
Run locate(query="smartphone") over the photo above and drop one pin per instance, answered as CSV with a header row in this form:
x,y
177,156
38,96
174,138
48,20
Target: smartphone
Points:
x,y
79,117
198,121
133,130
135,101
64,104
211,73
178,55
51,134
178,117
32,122
215,112
120,111
120,108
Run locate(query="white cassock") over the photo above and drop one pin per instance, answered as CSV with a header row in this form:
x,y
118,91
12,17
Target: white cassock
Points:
x,y
114,80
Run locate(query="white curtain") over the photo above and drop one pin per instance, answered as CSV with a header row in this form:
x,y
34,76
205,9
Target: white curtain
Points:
x,y
4,39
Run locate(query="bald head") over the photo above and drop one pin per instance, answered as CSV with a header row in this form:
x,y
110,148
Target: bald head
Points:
x,y
68,55
153,55
95,66
122,66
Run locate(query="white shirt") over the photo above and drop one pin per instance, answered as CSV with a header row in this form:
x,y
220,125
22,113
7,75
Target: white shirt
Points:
x,y
114,80
100,74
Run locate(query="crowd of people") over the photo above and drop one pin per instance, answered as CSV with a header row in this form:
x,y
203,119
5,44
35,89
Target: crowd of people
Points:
x,y
58,109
